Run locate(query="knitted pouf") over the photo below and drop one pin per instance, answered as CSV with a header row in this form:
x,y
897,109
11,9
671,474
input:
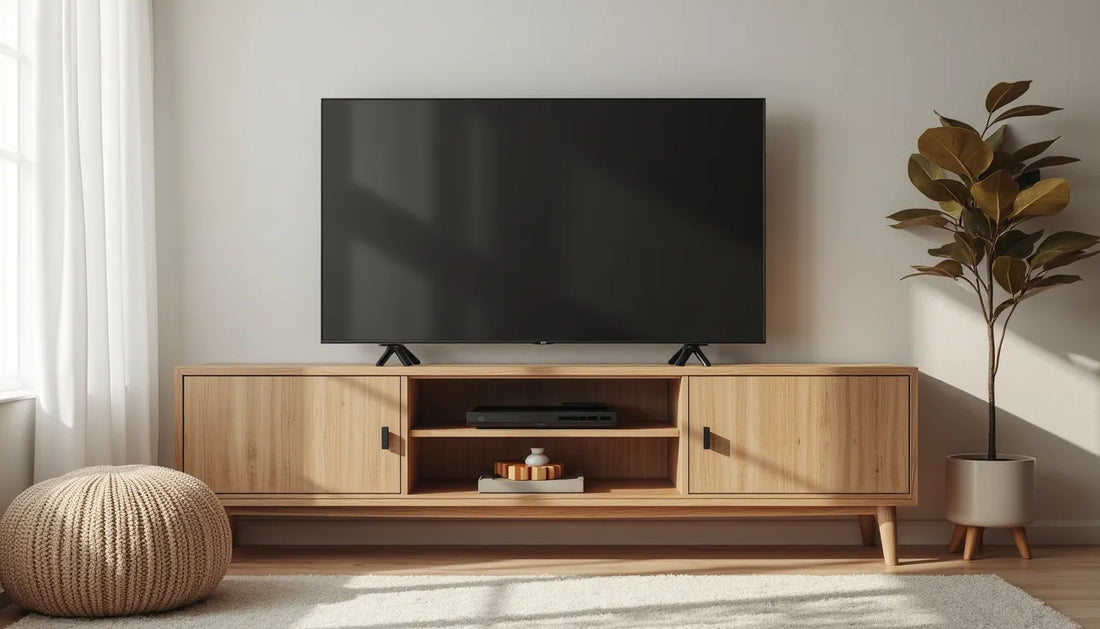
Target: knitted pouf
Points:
x,y
108,541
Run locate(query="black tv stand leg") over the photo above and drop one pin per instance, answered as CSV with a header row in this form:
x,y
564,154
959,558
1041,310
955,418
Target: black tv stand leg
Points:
x,y
686,351
403,354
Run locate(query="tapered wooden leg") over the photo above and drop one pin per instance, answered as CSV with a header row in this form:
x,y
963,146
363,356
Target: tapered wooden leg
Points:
x,y
1019,535
973,533
867,529
957,537
888,533
981,540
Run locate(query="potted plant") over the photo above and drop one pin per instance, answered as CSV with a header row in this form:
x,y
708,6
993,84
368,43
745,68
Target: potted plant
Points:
x,y
990,198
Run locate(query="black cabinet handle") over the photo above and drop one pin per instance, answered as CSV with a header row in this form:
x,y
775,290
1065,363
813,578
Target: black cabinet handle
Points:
x,y
706,437
385,437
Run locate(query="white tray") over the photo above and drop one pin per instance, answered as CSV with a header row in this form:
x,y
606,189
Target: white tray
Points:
x,y
490,484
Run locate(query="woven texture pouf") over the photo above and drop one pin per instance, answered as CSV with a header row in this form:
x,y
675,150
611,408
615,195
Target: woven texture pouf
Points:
x,y
109,541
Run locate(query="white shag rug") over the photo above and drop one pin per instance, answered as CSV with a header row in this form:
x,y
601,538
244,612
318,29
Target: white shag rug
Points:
x,y
668,601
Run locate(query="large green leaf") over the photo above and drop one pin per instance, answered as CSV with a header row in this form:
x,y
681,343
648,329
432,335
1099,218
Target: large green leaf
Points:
x,y
1047,283
1045,198
954,208
945,251
957,190
918,217
929,179
1010,273
1054,280
921,169
1004,93
1025,153
951,122
976,223
1068,258
916,212
997,139
1004,305
1049,161
995,194
1001,161
968,249
1017,243
922,174
924,221
962,250
1060,243
947,268
1026,110
960,151
1028,179
1068,241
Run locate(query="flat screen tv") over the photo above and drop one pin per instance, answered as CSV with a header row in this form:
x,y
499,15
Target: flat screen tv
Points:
x,y
623,220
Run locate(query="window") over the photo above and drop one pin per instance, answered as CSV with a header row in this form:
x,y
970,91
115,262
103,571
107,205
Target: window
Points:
x,y
11,164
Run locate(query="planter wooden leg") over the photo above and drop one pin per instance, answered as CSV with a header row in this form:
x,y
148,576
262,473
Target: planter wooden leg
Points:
x,y
957,537
887,532
1019,535
867,529
973,533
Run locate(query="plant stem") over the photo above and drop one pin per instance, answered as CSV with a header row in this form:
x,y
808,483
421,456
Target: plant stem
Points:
x,y
1004,332
992,453
990,323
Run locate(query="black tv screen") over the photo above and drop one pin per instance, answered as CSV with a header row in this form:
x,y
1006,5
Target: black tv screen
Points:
x,y
542,220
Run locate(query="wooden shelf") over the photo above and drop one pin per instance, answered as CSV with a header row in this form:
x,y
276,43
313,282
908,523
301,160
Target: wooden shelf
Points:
x,y
639,429
593,488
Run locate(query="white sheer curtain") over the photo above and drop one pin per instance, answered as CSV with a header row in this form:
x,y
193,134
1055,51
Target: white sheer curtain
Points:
x,y
91,241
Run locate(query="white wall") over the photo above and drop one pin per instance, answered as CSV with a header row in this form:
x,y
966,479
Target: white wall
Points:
x,y
850,85
16,448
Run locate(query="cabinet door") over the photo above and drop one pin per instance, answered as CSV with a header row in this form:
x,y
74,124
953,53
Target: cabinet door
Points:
x,y
293,434
799,434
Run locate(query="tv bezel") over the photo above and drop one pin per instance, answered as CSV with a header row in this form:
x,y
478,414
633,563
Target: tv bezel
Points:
x,y
673,341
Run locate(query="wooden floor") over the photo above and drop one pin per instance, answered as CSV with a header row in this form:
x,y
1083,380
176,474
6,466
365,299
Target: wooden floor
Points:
x,y
1067,578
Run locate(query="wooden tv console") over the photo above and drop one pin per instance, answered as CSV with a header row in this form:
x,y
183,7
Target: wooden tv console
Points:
x,y
365,441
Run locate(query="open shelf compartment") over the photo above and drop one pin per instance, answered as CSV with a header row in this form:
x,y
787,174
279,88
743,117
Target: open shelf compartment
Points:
x,y
452,465
639,457
645,407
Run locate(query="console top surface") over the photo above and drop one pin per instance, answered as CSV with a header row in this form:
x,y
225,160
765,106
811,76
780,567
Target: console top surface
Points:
x,y
580,370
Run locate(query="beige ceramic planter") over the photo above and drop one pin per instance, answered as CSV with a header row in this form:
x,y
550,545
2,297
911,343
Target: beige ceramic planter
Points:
x,y
988,493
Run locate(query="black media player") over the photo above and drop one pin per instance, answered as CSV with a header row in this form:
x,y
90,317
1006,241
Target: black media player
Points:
x,y
569,415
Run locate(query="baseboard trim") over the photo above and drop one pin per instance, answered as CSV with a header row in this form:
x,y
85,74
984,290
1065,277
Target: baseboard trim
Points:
x,y
785,532
1047,533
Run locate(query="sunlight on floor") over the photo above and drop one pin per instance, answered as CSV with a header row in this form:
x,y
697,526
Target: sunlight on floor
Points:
x,y
523,601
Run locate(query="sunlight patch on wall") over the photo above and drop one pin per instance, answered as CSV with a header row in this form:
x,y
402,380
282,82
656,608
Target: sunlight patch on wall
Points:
x,y
1056,393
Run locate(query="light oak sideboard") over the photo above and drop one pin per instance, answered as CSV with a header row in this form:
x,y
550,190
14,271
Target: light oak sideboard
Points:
x,y
726,441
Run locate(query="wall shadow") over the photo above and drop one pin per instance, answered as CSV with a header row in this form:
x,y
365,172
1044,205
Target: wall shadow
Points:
x,y
789,261
953,421
1048,401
